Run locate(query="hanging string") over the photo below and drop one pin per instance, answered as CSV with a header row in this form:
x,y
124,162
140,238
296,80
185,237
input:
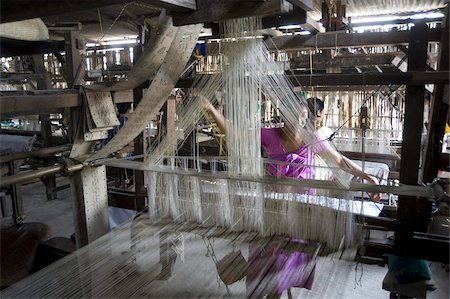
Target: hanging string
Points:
x,y
247,72
113,23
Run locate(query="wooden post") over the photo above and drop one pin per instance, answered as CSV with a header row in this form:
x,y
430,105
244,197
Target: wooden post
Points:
x,y
45,83
16,195
413,213
171,133
73,57
139,182
439,111
90,197
72,61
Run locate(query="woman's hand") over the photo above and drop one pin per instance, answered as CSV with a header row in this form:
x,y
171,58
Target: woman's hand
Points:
x,y
375,196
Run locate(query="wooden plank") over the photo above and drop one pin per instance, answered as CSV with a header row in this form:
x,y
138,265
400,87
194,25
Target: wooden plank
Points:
x,y
123,96
340,39
219,10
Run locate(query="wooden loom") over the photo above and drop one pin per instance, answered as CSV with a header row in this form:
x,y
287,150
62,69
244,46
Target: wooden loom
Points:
x,y
95,290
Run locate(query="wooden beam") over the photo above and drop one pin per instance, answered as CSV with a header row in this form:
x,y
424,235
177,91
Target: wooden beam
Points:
x,y
413,212
345,88
414,99
125,200
312,25
439,112
73,57
48,101
175,5
90,201
45,83
139,145
297,16
17,10
17,103
36,153
307,5
347,81
430,247
218,10
339,39
411,78
11,47
320,61
18,77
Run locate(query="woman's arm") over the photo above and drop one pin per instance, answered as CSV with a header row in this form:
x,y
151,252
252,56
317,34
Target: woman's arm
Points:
x,y
218,117
351,167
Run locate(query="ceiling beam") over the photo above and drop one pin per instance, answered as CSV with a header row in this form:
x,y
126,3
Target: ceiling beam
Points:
x,y
312,26
218,10
17,10
307,5
340,39
297,16
364,79
344,88
12,47
411,78
175,5
322,61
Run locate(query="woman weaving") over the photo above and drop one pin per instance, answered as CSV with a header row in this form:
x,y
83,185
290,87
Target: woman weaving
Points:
x,y
286,145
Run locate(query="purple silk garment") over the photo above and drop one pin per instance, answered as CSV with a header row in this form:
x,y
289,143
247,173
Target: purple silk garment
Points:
x,y
288,269
273,271
271,142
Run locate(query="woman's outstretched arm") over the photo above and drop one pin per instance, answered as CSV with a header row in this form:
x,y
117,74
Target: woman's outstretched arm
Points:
x,y
218,117
351,167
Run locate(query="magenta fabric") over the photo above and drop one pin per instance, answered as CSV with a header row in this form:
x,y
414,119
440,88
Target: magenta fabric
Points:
x,y
286,269
271,142
273,271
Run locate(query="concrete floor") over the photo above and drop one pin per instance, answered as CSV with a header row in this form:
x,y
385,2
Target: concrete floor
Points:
x,y
57,214
334,278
